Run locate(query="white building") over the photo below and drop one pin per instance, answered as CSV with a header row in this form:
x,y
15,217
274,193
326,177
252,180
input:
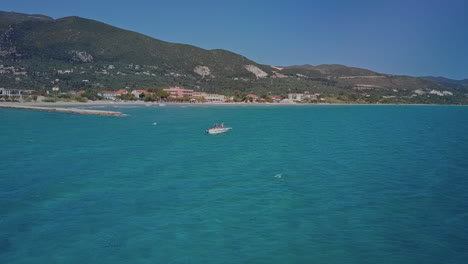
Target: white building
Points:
x,y
295,96
10,92
298,97
112,95
215,98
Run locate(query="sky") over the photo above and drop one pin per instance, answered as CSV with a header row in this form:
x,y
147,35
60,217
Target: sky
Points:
x,y
412,37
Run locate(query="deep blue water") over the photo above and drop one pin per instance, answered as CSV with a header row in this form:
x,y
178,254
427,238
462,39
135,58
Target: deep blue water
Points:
x,y
360,184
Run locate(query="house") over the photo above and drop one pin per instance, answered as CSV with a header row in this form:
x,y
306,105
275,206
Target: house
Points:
x,y
275,98
112,95
65,71
253,96
137,93
28,91
178,92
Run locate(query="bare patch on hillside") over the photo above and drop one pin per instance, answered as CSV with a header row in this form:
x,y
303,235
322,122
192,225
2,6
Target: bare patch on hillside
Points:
x,y
276,67
255,70
81,56
202,70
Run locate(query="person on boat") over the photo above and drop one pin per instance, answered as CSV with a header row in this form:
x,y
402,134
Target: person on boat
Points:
x,y
222,125
215,126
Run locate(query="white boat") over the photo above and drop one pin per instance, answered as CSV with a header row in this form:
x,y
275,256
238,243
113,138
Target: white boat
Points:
x,y
218,130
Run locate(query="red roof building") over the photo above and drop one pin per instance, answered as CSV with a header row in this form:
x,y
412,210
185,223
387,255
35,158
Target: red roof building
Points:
x,y
112,95
275,97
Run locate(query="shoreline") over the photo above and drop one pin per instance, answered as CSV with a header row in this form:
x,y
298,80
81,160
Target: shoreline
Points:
x,y
63,110
75,107
141,103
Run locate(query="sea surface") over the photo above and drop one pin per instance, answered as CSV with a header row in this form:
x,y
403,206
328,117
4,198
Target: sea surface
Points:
x,y
288,184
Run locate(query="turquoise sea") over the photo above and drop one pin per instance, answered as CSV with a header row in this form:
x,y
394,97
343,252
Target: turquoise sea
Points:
x,y
354,184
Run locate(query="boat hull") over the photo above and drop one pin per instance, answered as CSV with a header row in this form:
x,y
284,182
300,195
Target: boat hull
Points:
x,y
214,131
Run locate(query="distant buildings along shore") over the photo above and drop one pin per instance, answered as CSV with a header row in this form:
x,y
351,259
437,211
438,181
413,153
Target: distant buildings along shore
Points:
x,y
172,93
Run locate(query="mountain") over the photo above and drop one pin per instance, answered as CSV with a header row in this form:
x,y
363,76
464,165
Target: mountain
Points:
x,y
443,80
8,18
63,38
39,52
335,70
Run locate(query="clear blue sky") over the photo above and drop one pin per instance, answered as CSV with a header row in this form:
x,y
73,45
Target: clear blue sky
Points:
x,y
425,37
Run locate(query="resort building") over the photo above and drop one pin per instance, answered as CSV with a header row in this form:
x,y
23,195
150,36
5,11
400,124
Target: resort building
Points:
x,y
112,95
178,92
298,97
199,95
202,96
215,98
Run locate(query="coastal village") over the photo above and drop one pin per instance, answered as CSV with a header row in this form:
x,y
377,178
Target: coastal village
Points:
x,y
171,94
84,83
95,91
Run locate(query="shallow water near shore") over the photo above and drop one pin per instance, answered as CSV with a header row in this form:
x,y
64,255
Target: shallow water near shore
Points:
x,y
358,184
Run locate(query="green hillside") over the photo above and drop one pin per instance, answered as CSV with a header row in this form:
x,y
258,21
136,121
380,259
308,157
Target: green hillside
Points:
x,y
59,39
9,18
